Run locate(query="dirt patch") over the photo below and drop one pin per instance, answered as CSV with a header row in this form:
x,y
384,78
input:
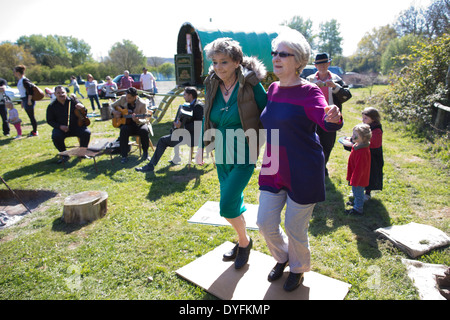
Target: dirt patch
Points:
x,y
11,208
438,214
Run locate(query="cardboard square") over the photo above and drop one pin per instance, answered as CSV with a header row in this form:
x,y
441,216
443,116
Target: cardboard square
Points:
x,y
209,213
222,280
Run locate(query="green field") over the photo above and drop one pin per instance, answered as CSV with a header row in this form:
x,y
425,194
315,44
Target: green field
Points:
x,y
146,234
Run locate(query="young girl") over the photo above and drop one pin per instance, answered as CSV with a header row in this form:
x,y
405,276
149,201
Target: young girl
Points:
x,y
371,116
14,118
76,87
358,168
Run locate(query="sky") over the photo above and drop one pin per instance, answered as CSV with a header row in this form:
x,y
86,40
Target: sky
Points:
x,y
154,25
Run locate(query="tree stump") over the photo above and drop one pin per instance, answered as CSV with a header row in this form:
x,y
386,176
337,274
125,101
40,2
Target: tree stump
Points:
x,y
85,207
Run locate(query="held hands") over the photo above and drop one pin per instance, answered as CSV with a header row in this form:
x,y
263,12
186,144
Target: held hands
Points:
x,y
333,114
328,83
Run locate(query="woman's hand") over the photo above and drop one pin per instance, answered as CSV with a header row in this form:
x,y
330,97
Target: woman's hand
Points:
x,y
199,157
333,114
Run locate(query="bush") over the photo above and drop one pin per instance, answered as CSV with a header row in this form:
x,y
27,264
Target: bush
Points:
x,y
411,97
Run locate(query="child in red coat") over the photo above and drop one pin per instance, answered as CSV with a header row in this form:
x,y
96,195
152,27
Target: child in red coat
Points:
x,y
358,168
371,116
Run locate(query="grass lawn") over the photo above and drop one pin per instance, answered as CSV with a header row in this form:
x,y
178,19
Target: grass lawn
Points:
x,y
145,232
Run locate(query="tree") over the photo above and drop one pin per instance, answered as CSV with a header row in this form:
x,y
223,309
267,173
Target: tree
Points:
x,y
127,56
411,21
304,27
48,51
371,48
414,91
430,22
12,55
397,52
167,70
55,50
155,61
330,39
79,50
437,17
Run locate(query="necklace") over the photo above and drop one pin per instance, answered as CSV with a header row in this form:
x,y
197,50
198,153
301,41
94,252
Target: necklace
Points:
x,y
227,91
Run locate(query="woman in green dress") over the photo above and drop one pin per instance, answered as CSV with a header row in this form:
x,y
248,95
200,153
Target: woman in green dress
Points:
x,y
234,100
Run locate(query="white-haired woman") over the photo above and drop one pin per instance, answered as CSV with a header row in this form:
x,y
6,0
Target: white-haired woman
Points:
x,y
234,99
294,108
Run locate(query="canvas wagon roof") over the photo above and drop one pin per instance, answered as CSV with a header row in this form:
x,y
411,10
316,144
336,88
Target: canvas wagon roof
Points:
x,y
253,43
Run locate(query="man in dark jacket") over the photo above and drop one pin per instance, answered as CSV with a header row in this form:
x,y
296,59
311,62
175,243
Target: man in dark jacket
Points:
x,y
335,92
184,119
3,112
61,116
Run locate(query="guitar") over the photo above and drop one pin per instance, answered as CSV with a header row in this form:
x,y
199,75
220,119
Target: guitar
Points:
x,y
83,120
118,121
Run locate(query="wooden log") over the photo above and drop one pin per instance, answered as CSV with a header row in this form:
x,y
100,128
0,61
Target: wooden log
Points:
x,y
85,207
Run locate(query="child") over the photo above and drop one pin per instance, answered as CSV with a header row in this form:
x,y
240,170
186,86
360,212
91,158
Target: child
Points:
x,y
371,116
76,86
358,168
14,118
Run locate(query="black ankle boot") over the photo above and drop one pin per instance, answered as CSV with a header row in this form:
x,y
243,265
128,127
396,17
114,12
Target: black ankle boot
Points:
x,y
242,256
277,271
293,281
231,255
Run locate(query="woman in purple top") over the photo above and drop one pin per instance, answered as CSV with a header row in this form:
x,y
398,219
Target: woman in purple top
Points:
x,y
293,170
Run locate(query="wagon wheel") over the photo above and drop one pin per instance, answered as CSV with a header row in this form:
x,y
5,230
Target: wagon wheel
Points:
x,y
160,111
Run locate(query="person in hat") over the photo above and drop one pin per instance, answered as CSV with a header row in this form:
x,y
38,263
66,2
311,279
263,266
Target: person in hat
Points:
x,y
335,92
135,125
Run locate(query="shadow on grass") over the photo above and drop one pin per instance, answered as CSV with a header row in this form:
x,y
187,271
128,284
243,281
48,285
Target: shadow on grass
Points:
x,y
174,181
330,215
60,226
110,164
39,169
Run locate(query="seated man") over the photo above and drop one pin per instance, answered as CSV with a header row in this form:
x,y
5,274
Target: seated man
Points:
x,y
182,120
61,116
134,125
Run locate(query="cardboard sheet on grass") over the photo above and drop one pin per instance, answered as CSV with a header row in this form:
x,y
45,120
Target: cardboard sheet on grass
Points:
x,y
209,213
424,277
415,239
222,280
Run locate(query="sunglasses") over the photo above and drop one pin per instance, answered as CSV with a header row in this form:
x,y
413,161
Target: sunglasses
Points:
x,y
282,54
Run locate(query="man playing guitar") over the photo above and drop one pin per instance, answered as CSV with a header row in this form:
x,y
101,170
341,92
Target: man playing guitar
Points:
x,y
135,125
186,116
